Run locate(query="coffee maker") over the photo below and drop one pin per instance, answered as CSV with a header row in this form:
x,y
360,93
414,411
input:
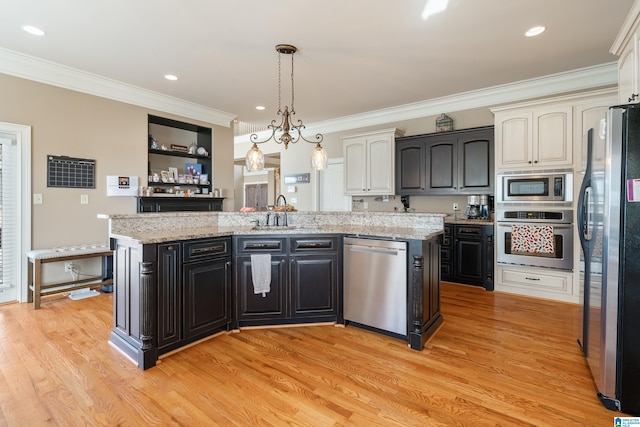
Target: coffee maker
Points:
x,y
477,207
486,203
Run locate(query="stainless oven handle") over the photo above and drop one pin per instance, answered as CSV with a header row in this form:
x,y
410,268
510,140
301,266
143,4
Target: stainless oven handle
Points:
x,y
555,226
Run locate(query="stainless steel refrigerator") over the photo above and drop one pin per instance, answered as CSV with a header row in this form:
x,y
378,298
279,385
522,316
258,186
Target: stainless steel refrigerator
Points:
x,y
609,230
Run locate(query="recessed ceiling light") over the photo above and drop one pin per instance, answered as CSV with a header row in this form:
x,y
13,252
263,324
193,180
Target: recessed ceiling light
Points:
x,y
260,107
33,30
431,7
170,77
532,32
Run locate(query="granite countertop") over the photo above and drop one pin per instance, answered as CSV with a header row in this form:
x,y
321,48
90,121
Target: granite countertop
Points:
x,y
159,236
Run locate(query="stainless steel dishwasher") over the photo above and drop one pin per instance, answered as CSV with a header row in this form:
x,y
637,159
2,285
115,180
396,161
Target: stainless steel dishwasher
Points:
x,y
375,283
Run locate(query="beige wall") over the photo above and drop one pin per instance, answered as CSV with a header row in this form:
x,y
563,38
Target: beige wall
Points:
x,y
74,124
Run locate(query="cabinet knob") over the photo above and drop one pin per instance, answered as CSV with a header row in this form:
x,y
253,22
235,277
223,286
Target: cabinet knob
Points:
x,y
634,96
529,162
535,161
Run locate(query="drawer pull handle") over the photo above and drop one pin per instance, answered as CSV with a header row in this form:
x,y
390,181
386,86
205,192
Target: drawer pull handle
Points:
x,y
533,278
262,246
208,249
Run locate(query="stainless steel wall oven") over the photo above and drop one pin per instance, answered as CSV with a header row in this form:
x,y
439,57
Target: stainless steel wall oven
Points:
x,y
536,237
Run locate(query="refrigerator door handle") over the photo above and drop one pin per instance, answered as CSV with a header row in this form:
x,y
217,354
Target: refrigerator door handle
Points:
x,y
588,225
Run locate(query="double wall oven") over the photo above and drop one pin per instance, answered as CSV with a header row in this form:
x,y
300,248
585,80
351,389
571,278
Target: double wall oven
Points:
x,y
534,219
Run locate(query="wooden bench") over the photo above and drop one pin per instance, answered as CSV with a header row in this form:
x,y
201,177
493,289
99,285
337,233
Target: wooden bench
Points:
x,y
43,256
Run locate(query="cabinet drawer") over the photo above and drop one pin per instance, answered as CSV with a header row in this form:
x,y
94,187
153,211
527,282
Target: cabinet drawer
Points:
x,y
469,231
556,283
261,245
314,244
207,248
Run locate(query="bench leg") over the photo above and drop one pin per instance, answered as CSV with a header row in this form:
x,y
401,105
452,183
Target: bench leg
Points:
x,y
37,283
30,281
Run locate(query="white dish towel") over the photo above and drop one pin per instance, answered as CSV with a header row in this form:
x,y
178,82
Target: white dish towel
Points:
x,y
261,273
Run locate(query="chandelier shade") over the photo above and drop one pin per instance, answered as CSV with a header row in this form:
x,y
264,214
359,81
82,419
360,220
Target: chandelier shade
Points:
x,y
255,159
319,159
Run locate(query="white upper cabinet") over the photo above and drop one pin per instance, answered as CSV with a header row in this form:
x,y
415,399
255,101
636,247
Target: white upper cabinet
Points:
x,y
369,163
534,137
627,47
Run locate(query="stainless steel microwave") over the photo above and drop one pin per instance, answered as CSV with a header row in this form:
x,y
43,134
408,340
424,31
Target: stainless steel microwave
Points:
x,y
536,187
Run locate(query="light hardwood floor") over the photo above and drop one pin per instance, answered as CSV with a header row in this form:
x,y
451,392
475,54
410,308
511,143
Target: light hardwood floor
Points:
x,y
498,359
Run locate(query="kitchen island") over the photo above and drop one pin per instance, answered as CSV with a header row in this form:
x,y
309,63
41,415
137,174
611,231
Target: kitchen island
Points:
x,y
181,277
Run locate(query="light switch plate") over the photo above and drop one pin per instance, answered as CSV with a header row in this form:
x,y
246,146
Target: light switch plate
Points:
x,y
37,199
84,199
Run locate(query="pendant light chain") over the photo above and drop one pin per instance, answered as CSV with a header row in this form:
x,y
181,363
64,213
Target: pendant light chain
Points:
x,y
279,84
293,110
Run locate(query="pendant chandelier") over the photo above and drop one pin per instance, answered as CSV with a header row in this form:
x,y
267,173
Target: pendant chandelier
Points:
x,y
281,133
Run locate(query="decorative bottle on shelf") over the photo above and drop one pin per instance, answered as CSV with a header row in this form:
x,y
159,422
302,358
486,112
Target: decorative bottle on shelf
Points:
x,y
193,148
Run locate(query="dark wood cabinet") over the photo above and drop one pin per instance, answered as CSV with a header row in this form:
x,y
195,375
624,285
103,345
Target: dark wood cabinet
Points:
x,y
271,305
411,167
169,295
304,280
473,255
457,162
174,140
177,204
446,254
194,286
314,267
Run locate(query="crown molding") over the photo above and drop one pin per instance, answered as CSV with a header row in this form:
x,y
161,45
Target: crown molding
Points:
x,y
551,85
31,68
626,34
36,69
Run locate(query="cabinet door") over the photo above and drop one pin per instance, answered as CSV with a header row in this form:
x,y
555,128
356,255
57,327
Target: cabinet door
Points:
x,y
380,165
468,261
314,284
475,162
255,306
627,74
442,164
411,170
553,137
206,287
513,140
355,166
169,295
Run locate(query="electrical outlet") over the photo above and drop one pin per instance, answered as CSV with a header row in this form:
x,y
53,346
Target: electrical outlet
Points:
x,y
68,266
455,206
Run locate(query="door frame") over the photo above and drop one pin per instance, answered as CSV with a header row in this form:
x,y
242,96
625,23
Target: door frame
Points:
x,y
316,182
22,136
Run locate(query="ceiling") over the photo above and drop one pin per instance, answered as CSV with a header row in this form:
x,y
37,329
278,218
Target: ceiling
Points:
x,y
353,56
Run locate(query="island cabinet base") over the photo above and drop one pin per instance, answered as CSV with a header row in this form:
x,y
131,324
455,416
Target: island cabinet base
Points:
x,y
134,305
305,283
169,295
423,291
